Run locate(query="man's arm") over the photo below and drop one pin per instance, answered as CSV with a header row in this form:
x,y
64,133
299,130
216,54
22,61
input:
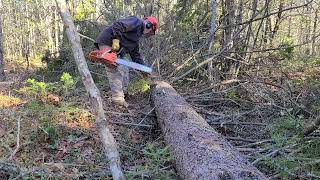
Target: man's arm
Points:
x,y
124,25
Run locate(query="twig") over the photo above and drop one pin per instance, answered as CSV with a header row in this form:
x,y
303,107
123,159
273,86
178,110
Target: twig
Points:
x,y
238,123
121,114
241,139
86,37
18,140
255,143
64,164
220,84
146,115
268,15
272,153
130,124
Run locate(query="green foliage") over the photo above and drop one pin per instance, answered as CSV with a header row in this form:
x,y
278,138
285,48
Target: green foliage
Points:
x,y
138,86
189,13
54,64
47,126
37,90
39,108
232,94
68,82
287,51
50,131
286,130
34,105
34,89
295,157
84,10
156,165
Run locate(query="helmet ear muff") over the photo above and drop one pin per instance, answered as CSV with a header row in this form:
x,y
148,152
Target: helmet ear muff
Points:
x,y
149,25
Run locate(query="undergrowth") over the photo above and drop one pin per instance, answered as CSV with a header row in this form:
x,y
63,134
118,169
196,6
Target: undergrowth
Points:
x,y
293,155
157,164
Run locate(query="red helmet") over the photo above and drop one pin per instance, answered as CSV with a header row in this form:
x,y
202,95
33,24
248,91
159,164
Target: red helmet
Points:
x,y
153,21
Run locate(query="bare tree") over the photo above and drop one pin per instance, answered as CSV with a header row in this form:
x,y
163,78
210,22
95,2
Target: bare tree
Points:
x,y
2,75
107,138
212,78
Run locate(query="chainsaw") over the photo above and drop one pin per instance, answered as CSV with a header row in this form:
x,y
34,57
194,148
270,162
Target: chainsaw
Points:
x,y
98,55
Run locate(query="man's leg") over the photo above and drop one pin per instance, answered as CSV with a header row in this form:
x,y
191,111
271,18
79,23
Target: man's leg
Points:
x,y
124,70
116,84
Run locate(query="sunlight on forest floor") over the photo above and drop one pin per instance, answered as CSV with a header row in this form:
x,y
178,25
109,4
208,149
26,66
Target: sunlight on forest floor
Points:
x,y
8,101
34,63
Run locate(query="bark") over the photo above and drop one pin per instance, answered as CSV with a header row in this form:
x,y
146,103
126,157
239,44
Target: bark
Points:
x,y
212,77
315,24
2,75
278,20
56,32
107,138
238,44
200,152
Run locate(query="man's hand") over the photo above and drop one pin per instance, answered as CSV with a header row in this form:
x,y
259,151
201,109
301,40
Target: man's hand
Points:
x,y
115,44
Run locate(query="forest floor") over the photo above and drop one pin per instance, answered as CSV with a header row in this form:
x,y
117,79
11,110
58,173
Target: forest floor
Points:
x,y
56,137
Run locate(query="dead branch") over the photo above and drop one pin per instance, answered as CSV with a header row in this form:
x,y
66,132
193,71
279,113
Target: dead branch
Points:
x,y
18,140
131,124
237,123
256,143
146,115
314,126
268,15
271,154
241,139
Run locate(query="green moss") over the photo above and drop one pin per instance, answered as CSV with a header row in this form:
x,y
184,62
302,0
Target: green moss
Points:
x,y
138,86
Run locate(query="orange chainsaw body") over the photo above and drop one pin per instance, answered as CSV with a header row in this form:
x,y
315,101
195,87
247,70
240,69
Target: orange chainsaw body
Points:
x,y
99,55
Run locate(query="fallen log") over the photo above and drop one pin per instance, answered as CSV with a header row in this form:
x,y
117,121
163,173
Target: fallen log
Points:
x,y
200,152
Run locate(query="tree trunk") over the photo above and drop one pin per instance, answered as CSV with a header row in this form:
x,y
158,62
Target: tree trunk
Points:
x,y
56,32
200,152
107,138
315,23
238,44
212,71
2,75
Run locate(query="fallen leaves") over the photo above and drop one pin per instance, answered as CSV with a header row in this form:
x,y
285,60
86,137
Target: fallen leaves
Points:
x,y
8,101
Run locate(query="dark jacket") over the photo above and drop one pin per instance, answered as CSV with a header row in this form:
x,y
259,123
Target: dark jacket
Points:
x,y
128,31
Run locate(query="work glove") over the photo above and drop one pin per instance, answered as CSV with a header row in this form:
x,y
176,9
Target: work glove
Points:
x,y
115,44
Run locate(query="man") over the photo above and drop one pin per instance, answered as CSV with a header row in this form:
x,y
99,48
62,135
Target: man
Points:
x,y
124,35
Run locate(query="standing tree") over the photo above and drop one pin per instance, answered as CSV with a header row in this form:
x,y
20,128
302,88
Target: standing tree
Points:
x,y
2,75
107,138
212,79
